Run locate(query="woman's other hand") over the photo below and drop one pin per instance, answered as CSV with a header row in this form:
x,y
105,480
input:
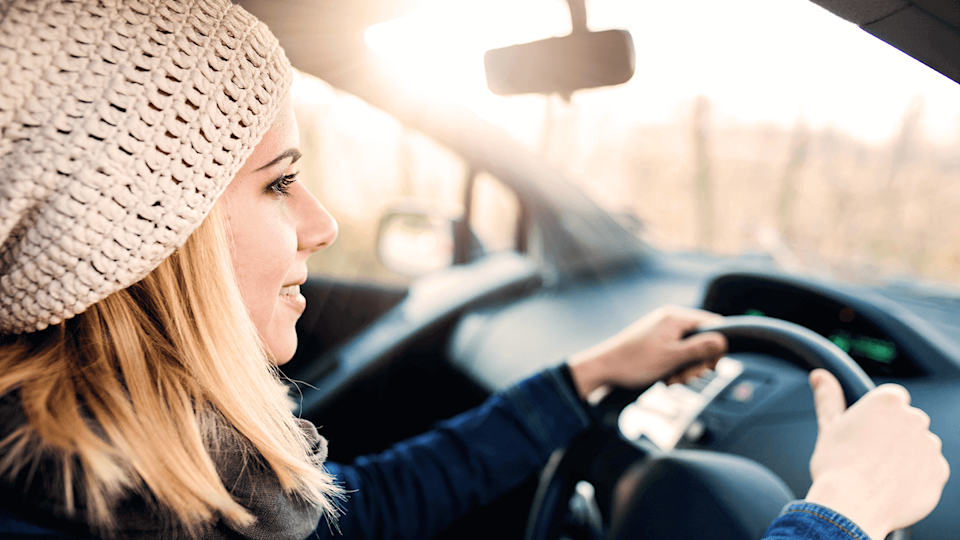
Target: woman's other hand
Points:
x,y
877,463
651,349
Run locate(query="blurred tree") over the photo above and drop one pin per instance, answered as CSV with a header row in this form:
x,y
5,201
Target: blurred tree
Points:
x,y
789,182
703,183
906,139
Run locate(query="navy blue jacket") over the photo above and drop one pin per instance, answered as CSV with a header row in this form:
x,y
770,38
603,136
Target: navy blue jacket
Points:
x,y
421,485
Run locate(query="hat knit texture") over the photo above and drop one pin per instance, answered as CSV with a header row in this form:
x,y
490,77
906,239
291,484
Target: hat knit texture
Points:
x,y
121,123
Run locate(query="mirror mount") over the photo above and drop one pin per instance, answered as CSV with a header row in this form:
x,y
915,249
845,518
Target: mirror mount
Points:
x,y
578,25
578,16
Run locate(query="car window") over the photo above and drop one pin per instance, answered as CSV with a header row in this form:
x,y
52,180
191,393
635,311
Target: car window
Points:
x,y
360,163
749,127
494,214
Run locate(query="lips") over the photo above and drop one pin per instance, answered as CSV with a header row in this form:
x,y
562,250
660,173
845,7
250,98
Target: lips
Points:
x,y
290,296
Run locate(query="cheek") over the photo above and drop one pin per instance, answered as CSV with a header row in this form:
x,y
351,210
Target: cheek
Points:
x,y
263,252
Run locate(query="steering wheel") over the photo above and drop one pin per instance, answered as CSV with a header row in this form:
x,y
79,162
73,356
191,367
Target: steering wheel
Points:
x,y
717,478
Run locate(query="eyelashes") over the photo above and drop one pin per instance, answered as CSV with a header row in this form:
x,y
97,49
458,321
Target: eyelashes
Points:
x,y
281,186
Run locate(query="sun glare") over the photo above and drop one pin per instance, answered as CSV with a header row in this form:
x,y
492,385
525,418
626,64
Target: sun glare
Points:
x,y
442,48
757,60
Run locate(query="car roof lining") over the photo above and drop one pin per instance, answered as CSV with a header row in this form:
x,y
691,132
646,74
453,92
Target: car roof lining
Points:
x,y
947,11
928,30
865,12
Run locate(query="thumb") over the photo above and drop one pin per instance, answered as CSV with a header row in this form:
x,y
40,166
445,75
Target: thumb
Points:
x,y
827,396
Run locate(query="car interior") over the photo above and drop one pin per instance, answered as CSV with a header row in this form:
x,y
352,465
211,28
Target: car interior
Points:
x,y
379,362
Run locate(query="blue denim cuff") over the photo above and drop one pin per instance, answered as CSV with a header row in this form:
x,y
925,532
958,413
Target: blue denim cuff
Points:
x,y
802,519
550,408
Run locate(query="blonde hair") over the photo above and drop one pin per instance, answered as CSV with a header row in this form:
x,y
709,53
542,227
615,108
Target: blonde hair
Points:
x,y
134,393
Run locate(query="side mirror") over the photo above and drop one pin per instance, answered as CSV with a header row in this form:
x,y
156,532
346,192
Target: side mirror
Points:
x,y
580,60
412,243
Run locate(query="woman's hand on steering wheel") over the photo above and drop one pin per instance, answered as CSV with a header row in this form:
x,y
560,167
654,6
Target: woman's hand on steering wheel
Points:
x,y
651,349
876,463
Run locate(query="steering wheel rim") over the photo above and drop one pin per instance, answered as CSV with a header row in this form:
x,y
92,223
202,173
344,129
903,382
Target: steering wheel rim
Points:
x,y
802,347
787,340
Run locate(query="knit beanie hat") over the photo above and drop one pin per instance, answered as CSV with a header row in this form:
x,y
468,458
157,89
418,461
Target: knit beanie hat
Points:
x,y
121,122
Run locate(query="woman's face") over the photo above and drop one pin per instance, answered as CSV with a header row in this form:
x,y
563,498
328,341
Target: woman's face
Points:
x,y
275,223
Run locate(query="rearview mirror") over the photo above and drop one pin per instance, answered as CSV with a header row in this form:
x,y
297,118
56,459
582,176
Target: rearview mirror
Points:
x,y
580,60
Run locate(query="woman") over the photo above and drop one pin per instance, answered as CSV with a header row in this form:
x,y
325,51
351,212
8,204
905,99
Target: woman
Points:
x,y
154,238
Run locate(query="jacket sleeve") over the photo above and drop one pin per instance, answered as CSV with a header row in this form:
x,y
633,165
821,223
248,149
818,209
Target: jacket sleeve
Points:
x,y
422,485
801,520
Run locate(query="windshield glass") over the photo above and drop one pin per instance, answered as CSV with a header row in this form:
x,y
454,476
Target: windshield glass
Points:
x,y
749,126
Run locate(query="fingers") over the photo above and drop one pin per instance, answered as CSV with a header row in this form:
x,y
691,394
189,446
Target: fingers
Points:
x,y
689,318
652,348
706,346
827,396
697,353
695,370
688,374
895,391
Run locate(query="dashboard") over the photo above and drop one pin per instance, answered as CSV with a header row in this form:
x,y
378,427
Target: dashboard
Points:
x,y
756,405
849,322
760,407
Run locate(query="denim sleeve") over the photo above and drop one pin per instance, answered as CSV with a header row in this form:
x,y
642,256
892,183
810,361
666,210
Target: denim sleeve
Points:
x,y
801,520
422,485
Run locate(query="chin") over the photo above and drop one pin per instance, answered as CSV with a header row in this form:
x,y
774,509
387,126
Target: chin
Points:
x,y
281,360
281,353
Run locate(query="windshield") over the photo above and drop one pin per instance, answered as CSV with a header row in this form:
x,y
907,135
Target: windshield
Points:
x,y
749,126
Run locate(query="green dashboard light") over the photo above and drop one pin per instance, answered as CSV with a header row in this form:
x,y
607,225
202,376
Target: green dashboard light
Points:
x,y
754,313
878,350
841,341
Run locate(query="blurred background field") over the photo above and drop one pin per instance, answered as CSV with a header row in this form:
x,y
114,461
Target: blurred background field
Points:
x,y
814,199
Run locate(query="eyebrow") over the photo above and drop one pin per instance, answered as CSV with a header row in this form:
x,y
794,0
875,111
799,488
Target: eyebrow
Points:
x,y
288,153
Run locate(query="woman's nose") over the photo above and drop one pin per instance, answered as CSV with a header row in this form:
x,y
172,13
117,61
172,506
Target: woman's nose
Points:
x,y
316,228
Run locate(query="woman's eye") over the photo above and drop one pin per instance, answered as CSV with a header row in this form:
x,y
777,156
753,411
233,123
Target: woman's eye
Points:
x,y
281,186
